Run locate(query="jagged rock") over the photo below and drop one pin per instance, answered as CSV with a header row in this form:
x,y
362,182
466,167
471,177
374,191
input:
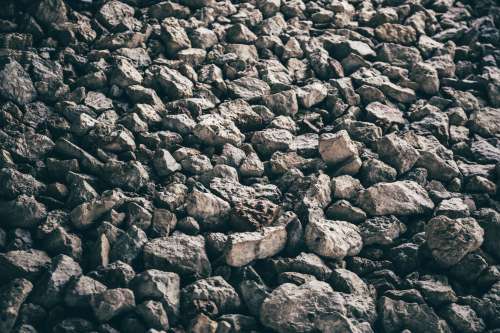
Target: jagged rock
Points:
x,y
397,198
333,239
111,303
210,210
381,230
216,130
179,253
450,240
245,247
13,295
79,291
397,152
212,296
161,286
24,211
22,264
87,213
16,84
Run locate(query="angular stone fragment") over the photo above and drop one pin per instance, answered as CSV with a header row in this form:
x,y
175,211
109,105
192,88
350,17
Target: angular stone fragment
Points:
x,y
173,83
212,296
161,286
397,198
337,148
450,240
245,247
12,296
381,230
252,214
80,290
153,314
486,121
179,253
49,289
210,210
111,303
216,130
124,74
294,309
271,140
248,88
114,13
396,33
397,315
16,84
463,318
85,214
174,36
128,246
333,239
22,264
24,211
384,115
397,152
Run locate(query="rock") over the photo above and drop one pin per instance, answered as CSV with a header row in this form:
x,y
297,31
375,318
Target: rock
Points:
x,y
396,33
248,88
210,210
80,290
13,295
291,308
381,230
338,149
50,288
124,74
436,292
160,286
450,240
283,103
485,121
24,211
426,77
111,303
212,296
253,214
345,187
463,318
397,198
129,176
216,130
397,315
174,36
311,94
384,115
270,140
173,83
333,239
114,12
164,163
16,84
245,247
85,214
397,152
153,314
22,264
179,253
128,246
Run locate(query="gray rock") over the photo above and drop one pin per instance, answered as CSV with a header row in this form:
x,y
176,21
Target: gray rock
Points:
x,y
333,239
397,198
397,152
22,264
212,296
174,36
292,308
216,130
210,210
245,247
14,183
113,13
383,115
128,246
124,74
80,290
426,77
111,303
397,315
179,253
13,295
153,314
50,288
16,84
270,140
160,286
248,88
463,318
24,211
450,240
338,149
485,121
84,215
381,230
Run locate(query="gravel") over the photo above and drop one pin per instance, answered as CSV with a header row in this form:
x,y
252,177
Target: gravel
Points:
x,y
259,166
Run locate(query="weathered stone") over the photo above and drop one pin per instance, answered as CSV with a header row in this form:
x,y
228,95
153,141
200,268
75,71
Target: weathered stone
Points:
x,y
22,264
397,198
243,248
450,240
381,230
13,295
111,303
179,253
16,84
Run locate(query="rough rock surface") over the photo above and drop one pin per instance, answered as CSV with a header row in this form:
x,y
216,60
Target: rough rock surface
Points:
x,y
249,166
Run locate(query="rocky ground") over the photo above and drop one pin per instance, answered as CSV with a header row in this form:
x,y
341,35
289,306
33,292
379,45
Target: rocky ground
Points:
x,y
257,166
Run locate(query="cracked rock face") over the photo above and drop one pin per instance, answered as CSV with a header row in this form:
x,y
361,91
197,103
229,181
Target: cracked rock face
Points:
x,y
250,166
